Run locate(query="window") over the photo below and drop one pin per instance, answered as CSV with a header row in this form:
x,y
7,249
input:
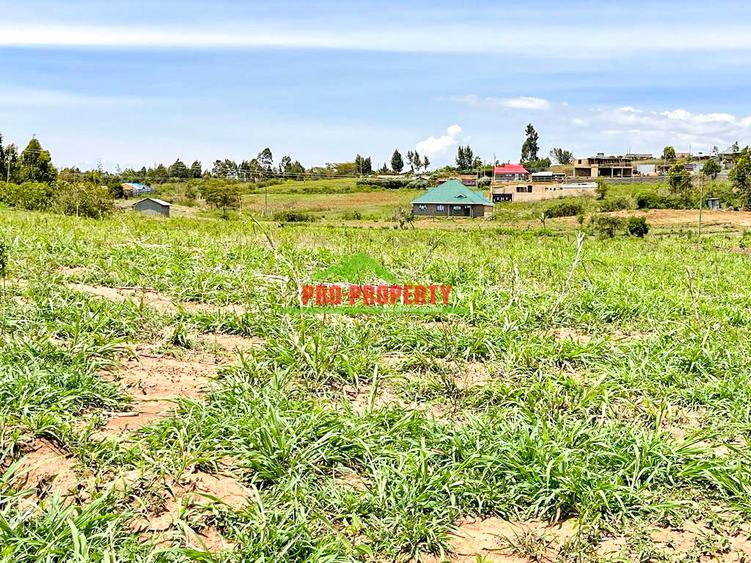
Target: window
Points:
x,y
439,208
524,189
422,207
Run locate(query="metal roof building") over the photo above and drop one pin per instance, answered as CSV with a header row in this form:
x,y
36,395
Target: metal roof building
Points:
x,y
451,199
152,206
136,188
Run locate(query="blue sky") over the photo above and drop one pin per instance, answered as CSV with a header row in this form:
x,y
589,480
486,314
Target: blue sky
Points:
x,y
133,83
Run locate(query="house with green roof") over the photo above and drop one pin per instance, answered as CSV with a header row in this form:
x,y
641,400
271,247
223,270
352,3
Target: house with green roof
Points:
x,y
451,199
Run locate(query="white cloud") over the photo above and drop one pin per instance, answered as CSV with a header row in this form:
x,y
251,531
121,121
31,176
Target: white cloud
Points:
x,y
490,102
587,130
642,129
437,148
557,43
526,102
30,97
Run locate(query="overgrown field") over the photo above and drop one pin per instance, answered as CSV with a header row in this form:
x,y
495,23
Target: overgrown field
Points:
x,y
163,400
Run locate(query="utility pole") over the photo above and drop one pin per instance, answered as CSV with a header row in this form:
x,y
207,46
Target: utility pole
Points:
x,y
701,201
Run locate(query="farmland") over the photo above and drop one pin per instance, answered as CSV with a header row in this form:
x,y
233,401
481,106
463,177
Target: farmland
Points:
x,y
579,399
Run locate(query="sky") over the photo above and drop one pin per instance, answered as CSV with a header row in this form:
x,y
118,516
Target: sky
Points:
x,y
140,82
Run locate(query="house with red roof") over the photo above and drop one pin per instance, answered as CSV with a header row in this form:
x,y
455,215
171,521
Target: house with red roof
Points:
x,y
510,173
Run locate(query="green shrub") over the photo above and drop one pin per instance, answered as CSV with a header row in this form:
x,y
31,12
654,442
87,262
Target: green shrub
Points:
x,y
33,196
418,184
606,225
394,183
292,217
352,215
83,199
564,209
637,226
615,204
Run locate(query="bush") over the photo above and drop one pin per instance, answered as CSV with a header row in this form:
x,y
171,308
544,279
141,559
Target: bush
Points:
x,y
394,183
651,200
607,225
615,204
292,217
352,215
484,182
418,184
82,199
33,196
637,226
602,189
564,209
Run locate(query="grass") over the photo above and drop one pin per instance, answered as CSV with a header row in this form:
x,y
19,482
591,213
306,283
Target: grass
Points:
x,y
620,398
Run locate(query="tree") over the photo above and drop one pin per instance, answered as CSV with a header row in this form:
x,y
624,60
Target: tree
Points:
x,y
602,189
84,199
679,179
464,158
3,165
266,159
411,159
11,163
195,170
668,154
364,166
158,174
414,160
530,147
711,169
740,176
298,169
425,162
562,156
222,196
285,164
397,163
35,164
219,170
179,170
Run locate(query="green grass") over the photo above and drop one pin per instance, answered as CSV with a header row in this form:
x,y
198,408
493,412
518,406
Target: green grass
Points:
x,y
620,398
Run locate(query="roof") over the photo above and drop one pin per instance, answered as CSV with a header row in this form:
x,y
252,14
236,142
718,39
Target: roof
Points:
x,y
544,173
135,184
452,192
511,169
732,150
159,201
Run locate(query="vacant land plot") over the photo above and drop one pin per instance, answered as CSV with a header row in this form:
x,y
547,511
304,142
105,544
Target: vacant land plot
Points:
x,y
376,204
163,400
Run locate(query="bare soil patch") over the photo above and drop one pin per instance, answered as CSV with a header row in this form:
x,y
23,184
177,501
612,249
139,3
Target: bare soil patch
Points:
x,y
231,343
692,539
48,470
472,374
152,298
569,333
690,217
496,539
155,382
72,271
192,491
